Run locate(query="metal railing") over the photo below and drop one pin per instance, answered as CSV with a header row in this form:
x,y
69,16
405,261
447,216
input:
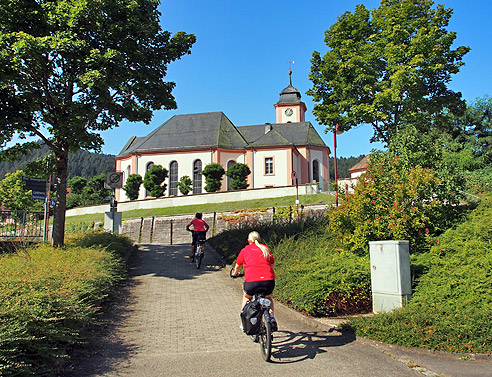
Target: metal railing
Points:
x,y
22,225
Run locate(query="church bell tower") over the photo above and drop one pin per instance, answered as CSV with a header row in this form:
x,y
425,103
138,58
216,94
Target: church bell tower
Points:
x,y
290,108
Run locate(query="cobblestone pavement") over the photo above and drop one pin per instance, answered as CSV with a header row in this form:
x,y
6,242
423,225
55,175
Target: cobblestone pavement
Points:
x,y
175,320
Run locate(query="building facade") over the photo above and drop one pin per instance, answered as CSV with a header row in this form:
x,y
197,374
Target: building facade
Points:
x,y
275,153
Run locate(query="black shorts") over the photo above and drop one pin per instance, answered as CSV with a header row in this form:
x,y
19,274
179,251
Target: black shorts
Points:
x,y
261,286
198,235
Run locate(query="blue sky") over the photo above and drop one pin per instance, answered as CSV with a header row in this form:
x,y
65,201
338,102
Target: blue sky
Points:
x,y
239,63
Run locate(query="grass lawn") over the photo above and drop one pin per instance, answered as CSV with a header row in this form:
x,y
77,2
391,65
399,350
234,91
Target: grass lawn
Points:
x,y
210,207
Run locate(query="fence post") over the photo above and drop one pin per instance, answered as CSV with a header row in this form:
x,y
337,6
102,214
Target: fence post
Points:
x,y
171,231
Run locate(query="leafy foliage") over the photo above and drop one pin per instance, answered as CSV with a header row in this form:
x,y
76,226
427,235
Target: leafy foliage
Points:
x,y
388,67
393,200
153,181
47,296
238,173
452,301
184,185
213,177
74,68
132,186
14,196
92,193
77,185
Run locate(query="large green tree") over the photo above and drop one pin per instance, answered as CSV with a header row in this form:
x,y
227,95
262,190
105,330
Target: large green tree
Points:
x,y
70,69
388,67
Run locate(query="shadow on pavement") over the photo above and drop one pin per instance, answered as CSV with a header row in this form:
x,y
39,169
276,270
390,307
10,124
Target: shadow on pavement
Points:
x,y
290,347
149,260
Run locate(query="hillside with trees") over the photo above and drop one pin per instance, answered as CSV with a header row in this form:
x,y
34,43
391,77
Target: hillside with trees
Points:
x,y
82,164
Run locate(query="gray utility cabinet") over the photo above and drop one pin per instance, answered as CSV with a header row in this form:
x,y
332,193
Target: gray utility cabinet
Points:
x,y
390,275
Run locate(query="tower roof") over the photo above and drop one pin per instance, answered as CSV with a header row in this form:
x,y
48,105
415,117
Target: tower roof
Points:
x,y
290,94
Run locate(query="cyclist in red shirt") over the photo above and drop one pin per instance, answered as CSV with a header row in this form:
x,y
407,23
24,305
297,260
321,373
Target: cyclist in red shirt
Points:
x,y
258,262
199,231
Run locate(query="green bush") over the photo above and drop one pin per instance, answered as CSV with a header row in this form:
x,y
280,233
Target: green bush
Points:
x,y
314,276
153,181
185,185
48,295
213,177
238,173
132,186
452,303
393,201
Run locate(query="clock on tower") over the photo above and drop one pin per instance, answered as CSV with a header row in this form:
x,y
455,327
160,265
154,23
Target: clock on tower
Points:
x,y
290,108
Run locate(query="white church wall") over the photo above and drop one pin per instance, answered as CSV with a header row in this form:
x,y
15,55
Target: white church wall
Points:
x,y
185,162
278,178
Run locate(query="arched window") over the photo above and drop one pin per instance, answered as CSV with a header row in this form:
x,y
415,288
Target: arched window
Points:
x,y
229,164
147,168
316,170
173,178
197,177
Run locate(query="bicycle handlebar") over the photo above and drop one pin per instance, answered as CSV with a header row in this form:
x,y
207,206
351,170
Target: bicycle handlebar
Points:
x,y
234,276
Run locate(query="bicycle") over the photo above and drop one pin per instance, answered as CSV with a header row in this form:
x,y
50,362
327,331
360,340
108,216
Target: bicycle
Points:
x,y
199,252
265,332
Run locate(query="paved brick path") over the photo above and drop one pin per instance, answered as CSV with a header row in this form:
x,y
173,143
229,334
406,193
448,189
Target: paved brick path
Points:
x,y
175,320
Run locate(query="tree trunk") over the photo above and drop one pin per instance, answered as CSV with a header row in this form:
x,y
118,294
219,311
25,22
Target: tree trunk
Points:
x,y
61,158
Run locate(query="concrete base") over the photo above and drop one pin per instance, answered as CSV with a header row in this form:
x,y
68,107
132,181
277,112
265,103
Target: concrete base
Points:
x,y
112,222
382,302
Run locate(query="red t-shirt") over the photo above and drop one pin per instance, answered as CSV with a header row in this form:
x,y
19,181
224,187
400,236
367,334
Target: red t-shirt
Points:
x,y
198,224
256,266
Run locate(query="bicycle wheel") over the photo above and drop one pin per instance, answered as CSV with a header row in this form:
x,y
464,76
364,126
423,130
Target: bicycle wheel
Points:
x,y
266,338
198,256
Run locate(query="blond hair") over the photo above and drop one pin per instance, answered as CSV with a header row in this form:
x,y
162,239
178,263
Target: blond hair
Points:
x,y
254,237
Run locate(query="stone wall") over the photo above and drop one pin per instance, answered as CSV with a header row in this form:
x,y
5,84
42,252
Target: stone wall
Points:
x,y
172,229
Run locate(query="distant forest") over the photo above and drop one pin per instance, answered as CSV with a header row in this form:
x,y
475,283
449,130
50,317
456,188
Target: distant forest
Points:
x,y
343,165
81,164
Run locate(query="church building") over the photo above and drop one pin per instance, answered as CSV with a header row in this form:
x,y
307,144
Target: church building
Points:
x,y
274,152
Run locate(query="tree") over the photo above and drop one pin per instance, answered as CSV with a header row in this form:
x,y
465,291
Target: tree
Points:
x,y
470,140
153,181
77,185
184,185
14,196
132,186
389,68
238,173
70,69
213,177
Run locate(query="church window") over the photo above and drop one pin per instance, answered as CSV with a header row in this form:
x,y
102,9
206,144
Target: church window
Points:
x,y
316,171
197,177
268,165
173,178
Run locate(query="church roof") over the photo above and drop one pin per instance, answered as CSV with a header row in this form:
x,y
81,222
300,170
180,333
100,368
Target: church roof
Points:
x,y
282,134
289,94
189,131
215,130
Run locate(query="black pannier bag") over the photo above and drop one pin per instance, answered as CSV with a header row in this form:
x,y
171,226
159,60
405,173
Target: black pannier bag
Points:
x,y
250,317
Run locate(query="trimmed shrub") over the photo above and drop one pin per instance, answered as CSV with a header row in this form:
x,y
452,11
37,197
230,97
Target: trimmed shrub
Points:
x,y
213,174
238,173
132,186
